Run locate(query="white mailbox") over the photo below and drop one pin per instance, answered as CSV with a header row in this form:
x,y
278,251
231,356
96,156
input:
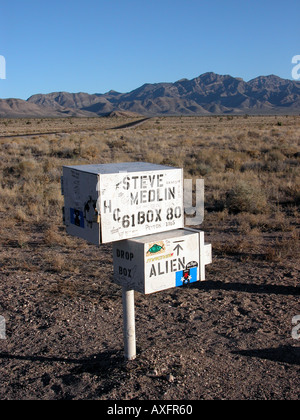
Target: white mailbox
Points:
x,y
112,202
157,262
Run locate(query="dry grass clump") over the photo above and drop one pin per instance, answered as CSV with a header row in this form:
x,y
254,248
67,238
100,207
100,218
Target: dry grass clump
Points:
x,y
57,238
283,249
293,193
56,262
273,221
245,197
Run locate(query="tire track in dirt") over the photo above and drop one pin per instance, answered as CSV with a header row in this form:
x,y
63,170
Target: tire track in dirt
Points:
x,y
49,133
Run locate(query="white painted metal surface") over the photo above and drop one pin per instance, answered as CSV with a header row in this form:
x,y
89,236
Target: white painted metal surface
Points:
x,y
129,323
111,202
161,261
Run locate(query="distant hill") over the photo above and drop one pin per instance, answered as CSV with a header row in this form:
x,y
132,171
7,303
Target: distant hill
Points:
x,y
207,94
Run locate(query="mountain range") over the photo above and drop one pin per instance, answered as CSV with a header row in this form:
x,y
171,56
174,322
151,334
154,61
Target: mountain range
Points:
x,y
207,94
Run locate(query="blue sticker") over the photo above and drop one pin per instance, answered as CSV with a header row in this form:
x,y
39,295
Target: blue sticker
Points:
x,y
76,218
186,276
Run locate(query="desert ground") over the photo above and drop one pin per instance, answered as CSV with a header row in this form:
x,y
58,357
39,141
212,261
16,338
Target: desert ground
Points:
x,y
229,337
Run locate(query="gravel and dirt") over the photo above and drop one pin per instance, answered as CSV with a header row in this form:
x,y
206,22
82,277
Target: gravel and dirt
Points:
x,y
227,338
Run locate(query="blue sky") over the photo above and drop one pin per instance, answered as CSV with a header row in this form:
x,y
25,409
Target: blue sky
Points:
x,y
97,45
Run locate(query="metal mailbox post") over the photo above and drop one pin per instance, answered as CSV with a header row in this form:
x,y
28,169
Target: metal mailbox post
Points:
x,y
138,207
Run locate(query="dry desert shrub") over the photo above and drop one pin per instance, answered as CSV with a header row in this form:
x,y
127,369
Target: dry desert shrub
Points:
x,y
55,238
274,221
246,197
293,193
56,262
283,249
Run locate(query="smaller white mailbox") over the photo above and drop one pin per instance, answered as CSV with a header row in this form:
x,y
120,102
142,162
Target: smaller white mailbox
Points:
x,y
111,202
161,261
